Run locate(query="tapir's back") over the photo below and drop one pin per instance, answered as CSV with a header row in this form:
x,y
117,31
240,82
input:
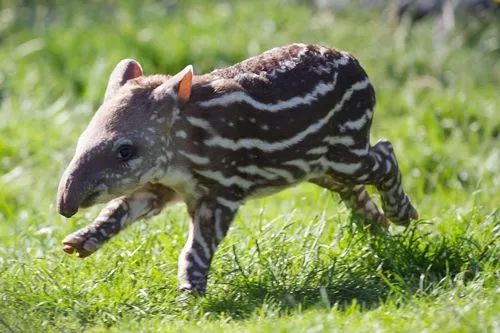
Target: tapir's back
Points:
x,y
286,87
294,103
293,71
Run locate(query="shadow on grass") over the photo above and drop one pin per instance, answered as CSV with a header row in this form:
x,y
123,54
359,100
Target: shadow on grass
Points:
x,y
367,270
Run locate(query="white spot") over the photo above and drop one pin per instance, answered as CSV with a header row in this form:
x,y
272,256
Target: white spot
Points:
x,y
135,163
181,134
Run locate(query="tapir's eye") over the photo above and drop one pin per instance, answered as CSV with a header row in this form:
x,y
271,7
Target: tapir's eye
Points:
x,y
125,152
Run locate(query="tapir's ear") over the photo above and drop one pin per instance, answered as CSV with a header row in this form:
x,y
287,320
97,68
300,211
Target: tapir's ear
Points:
x,y
180,84
125,70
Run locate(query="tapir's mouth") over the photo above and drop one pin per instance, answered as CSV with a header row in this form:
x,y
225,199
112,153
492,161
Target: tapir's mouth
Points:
x,y
94,196
91,199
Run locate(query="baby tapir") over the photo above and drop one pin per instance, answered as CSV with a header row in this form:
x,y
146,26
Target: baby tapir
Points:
x,y
292,114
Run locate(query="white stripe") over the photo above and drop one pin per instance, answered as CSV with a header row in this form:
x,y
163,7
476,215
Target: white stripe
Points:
x,y
201,123
359,152
203,213
232,205
201,241
253,170
197,274
195,158
224,180
218,228
197,258
388,166
319,90
358,123
317,150
363,177
274,146
402,210
339,140
370,206
301,164
347,168
282,173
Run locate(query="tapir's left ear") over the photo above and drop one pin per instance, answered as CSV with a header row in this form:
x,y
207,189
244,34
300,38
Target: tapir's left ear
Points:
x,y
125,70
180,85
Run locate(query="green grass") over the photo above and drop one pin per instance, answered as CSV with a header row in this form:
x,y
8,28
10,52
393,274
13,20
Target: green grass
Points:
x,y
293,261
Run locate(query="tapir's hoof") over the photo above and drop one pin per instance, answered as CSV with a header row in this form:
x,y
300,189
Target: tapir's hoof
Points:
x,y
196,288
83,247
405,217
414,214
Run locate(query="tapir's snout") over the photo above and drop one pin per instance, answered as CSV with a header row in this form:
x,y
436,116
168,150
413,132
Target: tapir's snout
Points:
x,y
68,198
74,188
65,209
81,186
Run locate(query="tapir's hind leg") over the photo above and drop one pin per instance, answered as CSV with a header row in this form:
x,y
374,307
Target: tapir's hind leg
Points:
x,y
357,199
380,168
395,203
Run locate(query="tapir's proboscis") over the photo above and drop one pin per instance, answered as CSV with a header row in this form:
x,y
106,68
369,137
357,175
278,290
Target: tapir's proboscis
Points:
x,y
299,113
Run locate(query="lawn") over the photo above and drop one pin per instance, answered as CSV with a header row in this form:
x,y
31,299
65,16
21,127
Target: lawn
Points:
x,y
292,262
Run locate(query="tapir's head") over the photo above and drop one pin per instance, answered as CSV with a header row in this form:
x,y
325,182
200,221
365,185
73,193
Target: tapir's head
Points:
x,y
126,143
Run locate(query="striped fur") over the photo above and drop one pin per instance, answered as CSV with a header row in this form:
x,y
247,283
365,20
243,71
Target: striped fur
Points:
x,y
292,114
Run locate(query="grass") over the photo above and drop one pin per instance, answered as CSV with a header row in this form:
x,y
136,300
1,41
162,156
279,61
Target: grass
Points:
x,y
294,261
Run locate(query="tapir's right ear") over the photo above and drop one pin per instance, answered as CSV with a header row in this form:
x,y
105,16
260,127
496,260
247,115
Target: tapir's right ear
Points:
x,y
125,70
179,85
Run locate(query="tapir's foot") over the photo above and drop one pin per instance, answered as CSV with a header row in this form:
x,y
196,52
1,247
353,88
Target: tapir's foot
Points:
x,y
196,286
376,224
193,290
85,242
403,215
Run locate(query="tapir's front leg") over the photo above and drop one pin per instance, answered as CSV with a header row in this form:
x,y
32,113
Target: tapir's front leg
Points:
x,y
210,220
118,214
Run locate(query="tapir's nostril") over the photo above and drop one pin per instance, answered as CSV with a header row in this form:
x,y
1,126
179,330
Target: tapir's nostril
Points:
x,y
68,212
67,200
66,209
